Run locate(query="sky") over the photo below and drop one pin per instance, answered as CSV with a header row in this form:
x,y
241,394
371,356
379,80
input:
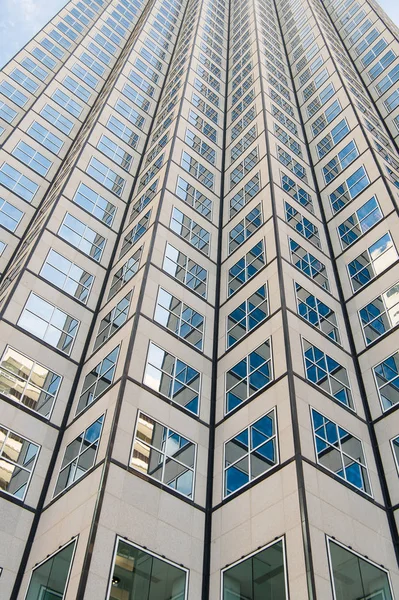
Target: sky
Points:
x,y
21,19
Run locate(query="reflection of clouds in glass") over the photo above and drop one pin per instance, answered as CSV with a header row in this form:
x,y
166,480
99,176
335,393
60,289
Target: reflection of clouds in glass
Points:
x,y
152,378
383,253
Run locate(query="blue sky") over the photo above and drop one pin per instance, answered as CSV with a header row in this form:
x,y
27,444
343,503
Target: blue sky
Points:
x,y
21,19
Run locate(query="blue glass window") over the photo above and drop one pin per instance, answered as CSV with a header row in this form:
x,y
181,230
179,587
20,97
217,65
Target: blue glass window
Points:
x,y
340,452
247,315
359,222
245,268
327,374
253,373
250,453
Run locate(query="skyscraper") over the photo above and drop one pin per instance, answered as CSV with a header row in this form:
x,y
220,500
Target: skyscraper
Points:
x,y
199,303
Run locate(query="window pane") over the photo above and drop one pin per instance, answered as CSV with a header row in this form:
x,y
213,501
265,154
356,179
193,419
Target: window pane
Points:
x,y
49,580
338,451
79,456
49,323
259,576
138,575
17,461
354,577
172,378
24,380
164,455
251,453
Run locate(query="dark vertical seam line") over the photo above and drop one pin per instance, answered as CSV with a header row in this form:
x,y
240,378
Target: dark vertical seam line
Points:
x,y
206,567
130,349
307,548
46,484
373,438
119,65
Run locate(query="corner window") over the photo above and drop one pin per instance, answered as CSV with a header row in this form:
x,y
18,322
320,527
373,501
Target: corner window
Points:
x,y
190,231
380,315
70,105
327,374
261,575
395,450
337,164
82,237
95,204
113,321
164,455
106,176
349,189
26,381
308,264
7,113
296,192
246,267
247,315
31,158
13,94
179,318
45,137
50,578
336,134
356,577
250,453
245,228
359,222
79,456
135,233
115,152
173,378
138,574
185,270
17,460
67,276
317,313
386,375
189,194
24,80
374,260
253,373
125,273
17,183
302,225
244,195
197,170
49,323
56,118
98,380
340,452
10,216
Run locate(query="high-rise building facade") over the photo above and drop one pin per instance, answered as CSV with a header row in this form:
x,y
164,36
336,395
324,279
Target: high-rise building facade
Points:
x,y
199,303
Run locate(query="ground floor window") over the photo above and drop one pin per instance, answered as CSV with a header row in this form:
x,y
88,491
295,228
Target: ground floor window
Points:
x,y
137,574
355,578
260,575
50,578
